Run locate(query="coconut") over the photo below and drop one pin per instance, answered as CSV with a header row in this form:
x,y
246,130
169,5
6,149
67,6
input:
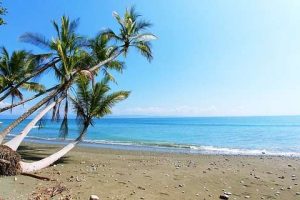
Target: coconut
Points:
x,y
9,161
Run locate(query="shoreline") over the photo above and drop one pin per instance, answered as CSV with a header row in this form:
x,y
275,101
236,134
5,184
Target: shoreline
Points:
x,y
163,147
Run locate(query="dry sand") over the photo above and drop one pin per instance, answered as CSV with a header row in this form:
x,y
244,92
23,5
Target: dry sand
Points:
x,y
113,174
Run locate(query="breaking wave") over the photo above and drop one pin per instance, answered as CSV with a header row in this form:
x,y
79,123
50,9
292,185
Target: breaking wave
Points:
x,y
167,147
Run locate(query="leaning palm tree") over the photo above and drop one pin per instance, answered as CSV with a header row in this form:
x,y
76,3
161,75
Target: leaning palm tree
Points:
x,y
74,59
67,50
91,101
100,51
12,70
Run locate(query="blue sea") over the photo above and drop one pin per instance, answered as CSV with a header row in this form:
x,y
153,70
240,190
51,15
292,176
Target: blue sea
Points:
x,y
278,135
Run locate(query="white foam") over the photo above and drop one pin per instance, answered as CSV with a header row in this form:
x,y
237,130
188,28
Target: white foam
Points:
x,y
235,151
184,148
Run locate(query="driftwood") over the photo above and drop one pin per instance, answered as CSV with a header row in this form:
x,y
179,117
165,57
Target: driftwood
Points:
x,y
37,176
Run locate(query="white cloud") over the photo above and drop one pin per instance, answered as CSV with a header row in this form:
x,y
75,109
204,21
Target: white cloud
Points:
x,y
167,111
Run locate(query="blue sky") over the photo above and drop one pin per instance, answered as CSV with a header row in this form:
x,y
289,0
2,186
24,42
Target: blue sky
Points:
x,y
212,58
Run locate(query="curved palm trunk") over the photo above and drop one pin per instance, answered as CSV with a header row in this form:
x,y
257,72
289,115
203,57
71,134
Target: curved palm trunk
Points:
x,y
26,78
26,100
28,113
104,62
38,165
31,167
16,141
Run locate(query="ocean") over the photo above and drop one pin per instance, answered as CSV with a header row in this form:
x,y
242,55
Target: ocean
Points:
x,y
278,135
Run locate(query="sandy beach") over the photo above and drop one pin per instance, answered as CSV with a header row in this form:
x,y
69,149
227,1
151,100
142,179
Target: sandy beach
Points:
x,y
113,174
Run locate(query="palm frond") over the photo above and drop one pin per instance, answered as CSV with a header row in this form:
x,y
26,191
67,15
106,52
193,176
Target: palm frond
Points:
x,y
108,102
145,37
56,27
108,75
41,58
4,53
119,20
110,34
64,127
133,14
142,25
16,93
74,25
55,110
79,110
145,49
116,65
34,87
35,39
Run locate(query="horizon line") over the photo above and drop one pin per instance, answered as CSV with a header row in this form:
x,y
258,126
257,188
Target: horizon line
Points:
x,y
172,116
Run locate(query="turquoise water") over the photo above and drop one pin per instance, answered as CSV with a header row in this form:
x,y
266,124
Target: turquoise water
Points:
x,y
225,135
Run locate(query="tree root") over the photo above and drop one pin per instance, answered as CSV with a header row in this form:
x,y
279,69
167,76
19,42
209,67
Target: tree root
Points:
x,y
9,161
4,161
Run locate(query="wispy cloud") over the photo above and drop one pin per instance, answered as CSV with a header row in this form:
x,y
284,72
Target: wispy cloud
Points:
x,y
164,111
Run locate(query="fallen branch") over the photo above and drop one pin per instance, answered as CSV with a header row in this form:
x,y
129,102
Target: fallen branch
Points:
x,y
37,176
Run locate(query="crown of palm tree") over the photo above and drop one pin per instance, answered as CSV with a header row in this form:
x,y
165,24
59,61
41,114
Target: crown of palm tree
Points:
x,y
101,50
15,66
131,33
94,101
68,47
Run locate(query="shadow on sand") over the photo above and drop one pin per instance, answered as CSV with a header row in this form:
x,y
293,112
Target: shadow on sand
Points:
x,y
35,153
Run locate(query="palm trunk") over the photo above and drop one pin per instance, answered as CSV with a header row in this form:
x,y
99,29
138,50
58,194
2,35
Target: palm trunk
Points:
x,y
41,164
28,113
104,62
26,100
26,78
16,141
38,165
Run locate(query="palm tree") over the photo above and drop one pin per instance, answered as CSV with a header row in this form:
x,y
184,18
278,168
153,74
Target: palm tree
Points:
x,y
76,55
94,101
66,49
12,70
90,102
131,35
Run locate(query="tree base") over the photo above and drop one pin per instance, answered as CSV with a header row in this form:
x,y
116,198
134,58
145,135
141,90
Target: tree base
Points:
x,y
9,161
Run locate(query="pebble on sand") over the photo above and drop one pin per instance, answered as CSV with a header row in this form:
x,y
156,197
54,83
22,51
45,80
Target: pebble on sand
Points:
x,y
224,196
94,197
228,193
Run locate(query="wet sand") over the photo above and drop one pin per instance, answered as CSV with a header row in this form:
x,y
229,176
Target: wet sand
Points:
x,y
114,174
